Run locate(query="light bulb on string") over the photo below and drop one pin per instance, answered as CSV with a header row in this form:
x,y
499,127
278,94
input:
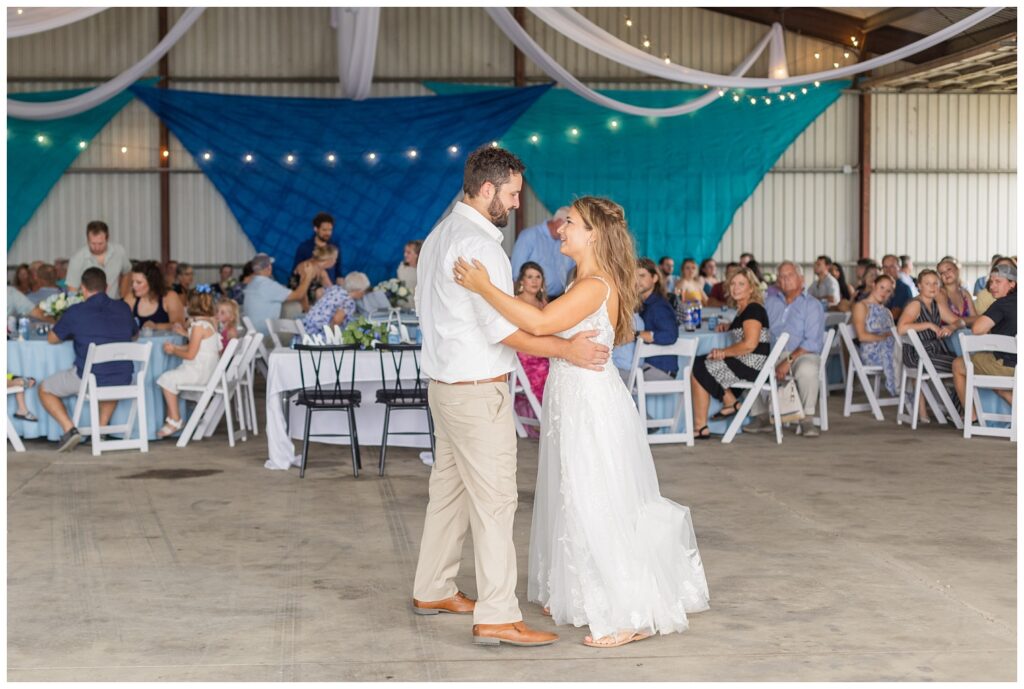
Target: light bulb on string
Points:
x,y
817,84
817,56
248,157
629,22
792,96
82,144
41,139
534,138
21,11
835,65
736,97
413,153
647,42
331,158
767,100
206,155
371,156
453,149
721,92
289,159
846,55
494,144
668,60
124,149
614,124
753,101
165,153
574,131
804,90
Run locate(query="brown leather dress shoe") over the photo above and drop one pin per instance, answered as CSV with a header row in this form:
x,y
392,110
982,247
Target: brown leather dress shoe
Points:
x,y
514,633
458,604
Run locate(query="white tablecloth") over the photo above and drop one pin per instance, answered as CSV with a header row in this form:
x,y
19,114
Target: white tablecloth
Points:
x,y
283,375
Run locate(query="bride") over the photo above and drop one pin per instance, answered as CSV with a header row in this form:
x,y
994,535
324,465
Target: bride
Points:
x,y
606,549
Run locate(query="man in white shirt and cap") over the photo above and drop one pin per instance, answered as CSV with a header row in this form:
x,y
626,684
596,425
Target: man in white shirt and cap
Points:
x,y
468,351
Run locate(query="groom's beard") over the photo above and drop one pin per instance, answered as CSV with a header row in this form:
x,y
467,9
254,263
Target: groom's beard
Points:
x,y
498,212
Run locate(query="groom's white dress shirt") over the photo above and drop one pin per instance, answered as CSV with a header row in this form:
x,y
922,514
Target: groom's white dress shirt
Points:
x,y
462,333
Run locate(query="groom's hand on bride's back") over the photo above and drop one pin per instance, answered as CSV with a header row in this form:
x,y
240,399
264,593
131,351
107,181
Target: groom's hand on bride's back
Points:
x,y
585,353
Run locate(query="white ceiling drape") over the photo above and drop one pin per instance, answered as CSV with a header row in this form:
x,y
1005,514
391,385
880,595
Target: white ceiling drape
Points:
x,y
25,21
357,30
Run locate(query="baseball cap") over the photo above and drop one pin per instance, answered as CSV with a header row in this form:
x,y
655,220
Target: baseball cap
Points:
x,y
1006,272
261,261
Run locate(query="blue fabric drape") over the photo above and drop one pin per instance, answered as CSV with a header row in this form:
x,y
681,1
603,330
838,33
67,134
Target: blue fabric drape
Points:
x,y
680,179
34,166
418,145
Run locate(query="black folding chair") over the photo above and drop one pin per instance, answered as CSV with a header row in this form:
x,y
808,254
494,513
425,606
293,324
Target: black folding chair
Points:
x,y
336,396
399,394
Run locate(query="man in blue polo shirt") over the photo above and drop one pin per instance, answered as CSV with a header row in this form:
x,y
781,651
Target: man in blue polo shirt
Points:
x,y
98,319
901,294
323,228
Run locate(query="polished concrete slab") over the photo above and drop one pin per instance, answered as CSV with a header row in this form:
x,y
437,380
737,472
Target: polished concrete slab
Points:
x,y
870,553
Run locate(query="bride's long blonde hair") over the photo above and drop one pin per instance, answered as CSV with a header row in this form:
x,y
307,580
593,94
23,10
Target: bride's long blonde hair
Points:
x,y
615,254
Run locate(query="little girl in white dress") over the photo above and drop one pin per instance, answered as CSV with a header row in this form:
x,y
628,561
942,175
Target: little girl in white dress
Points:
x,y
200,354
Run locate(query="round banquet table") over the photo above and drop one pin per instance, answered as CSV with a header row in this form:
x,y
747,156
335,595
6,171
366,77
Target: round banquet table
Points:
x,y
37,358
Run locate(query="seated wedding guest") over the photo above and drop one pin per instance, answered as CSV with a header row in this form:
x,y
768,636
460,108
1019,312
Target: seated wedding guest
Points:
x,y
709,273
225,280
755,268
323,229
23,279
46,284
200,356
324,259
715,373
184,278
951,293
407,268
869,275
791,310
22,412
61,266
690,285
745,258
667,266
530,287
98,319
101,253
825,287
152,304
872,322
335,307
907,274
542,244
238,291
846,290
719,296
985,298
368,301
264,296
18,304
999,319
982,281
901,294
227,320
659,319
170,272
934,323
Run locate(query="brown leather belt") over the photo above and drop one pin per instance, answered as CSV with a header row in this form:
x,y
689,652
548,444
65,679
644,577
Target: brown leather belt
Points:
x,y
495,379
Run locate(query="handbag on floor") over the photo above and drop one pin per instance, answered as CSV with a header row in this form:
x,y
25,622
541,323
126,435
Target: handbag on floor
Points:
x,y
790,407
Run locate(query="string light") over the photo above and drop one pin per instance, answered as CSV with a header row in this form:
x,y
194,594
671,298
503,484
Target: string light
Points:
x,y
372,156
534,139
82,144
21,11
494,144
767,100
41,139
248,157
817,84
455,149
413,153
835,65
289,159
804,90
331,158
817,56
124,149
629,22
668,60
721,92
574,131
165,153
207,155
753,101
614,124
846,55
792,96
647,42
736,97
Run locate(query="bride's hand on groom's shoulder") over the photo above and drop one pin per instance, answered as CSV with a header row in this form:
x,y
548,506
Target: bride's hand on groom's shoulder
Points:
x,y
473,276
585,353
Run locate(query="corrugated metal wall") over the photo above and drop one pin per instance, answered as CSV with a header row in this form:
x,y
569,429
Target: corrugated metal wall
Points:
x,y
805,206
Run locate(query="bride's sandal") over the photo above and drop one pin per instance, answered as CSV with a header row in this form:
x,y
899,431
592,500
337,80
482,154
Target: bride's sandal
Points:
x,y
701,435
169,428
614,640
732,408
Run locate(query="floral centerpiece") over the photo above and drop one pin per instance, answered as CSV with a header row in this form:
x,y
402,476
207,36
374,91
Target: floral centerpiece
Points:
x,y
364,333
55,306
397,293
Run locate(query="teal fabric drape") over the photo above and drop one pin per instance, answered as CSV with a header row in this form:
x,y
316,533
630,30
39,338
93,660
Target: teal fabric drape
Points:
x,y
34,165
680,179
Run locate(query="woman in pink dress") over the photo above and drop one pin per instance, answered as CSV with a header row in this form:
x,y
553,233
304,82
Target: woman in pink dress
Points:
x,y
530,288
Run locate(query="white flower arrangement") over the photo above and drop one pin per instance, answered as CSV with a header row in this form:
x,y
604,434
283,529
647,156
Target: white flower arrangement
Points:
x,y
395,290
56,305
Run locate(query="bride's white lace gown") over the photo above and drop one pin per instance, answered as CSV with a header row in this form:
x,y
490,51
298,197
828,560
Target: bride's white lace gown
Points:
x,y
606,549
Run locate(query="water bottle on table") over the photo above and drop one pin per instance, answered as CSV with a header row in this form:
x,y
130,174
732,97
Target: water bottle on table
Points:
x,y
23,324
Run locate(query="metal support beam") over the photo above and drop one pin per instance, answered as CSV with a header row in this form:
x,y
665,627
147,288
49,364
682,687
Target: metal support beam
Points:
x,y
864,162
952,58
889,16
519,61
164,161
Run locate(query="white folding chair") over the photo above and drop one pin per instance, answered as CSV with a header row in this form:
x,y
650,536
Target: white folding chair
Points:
x,y
821,420
247,367
832,321
765,382
678,387
869,377
972,344
234,377
203,396
520,385
12,433
286,326
131,352
927,382
262,355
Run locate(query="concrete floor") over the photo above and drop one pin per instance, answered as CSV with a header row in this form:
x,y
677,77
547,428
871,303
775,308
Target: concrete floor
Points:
x,y
871,553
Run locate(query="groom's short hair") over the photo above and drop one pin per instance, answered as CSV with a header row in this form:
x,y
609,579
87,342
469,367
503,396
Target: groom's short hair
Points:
x,y
490,164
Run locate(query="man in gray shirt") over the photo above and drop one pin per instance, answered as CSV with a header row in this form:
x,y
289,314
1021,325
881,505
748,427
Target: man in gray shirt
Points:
x,y
825,288
101,253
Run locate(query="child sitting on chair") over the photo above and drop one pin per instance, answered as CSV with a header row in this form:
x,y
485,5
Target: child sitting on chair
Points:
x,y
14,381
227,320
200,355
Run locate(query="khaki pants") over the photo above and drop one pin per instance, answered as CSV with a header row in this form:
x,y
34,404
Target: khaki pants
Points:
x,y
472,484
805,372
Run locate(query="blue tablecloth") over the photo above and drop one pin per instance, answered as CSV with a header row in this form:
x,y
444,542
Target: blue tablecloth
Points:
x,y
38,359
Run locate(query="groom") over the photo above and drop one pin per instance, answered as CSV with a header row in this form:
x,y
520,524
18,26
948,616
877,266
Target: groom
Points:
x,y
467,354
